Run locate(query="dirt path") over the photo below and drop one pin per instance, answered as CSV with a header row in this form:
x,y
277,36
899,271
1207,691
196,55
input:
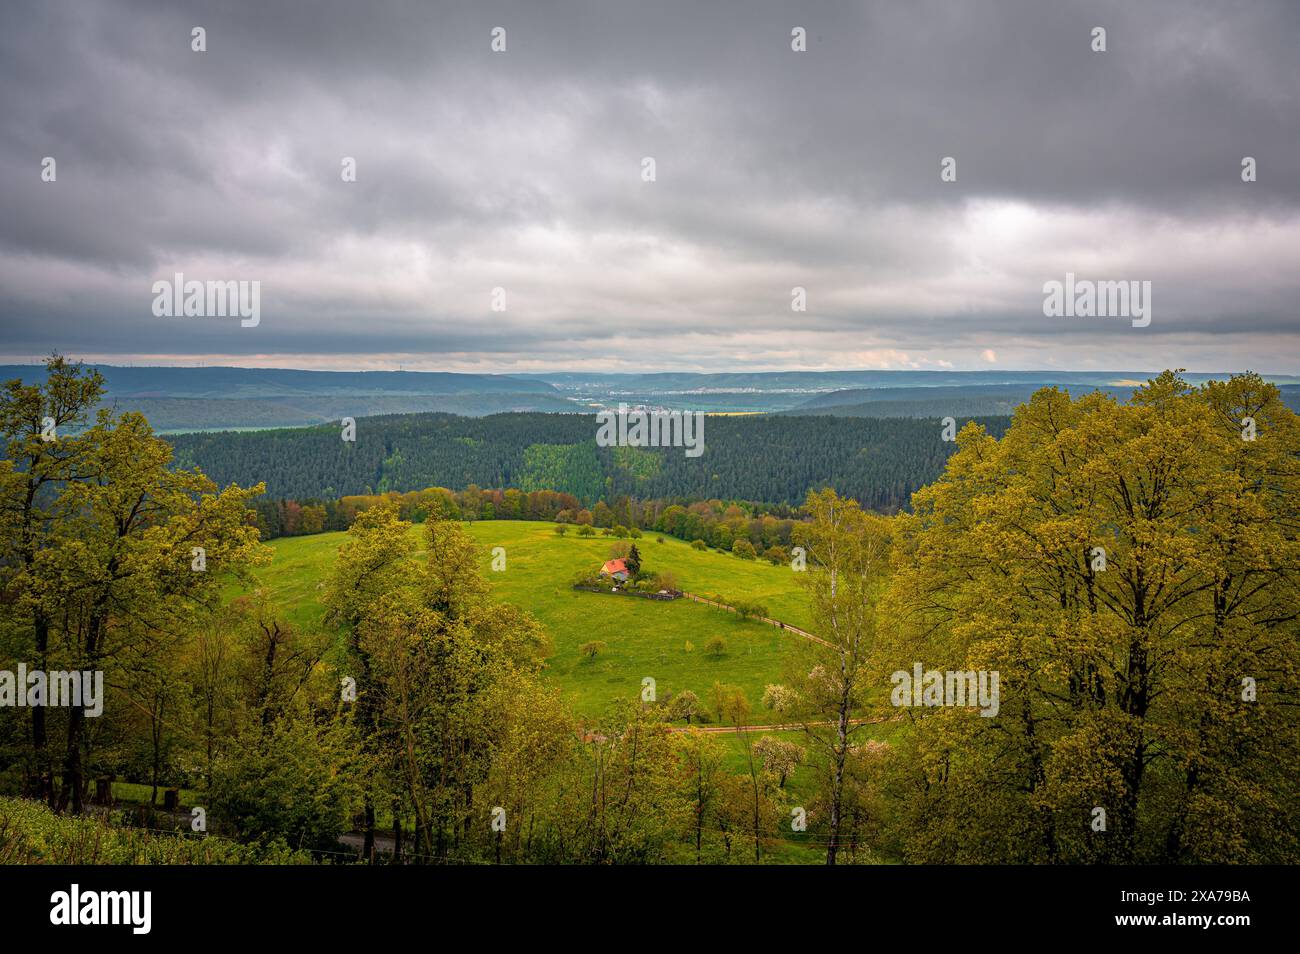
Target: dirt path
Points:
x,y
774,727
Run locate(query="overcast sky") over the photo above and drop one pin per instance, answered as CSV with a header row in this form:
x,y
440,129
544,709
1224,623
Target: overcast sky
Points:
x,y
774,169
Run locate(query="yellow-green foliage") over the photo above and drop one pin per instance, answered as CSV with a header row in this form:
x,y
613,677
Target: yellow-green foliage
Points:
x,y
31,834
1123,688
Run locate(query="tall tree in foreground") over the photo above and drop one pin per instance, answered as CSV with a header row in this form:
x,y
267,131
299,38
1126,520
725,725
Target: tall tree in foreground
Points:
x,y
1131,572
371,573
848,568
38,425
102,565
121,579
445,675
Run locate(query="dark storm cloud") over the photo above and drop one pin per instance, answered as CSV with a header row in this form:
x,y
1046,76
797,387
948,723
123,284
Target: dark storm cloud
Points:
x,y
775,169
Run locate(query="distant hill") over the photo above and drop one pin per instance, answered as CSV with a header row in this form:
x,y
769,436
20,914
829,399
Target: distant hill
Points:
x,y
217,398
800,392
965,401
983,399
178,400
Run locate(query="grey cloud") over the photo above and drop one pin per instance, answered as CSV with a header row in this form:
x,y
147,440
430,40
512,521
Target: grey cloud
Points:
x,y
775,169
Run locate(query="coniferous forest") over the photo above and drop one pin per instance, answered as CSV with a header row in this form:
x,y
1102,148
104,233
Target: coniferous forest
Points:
x,y
772,459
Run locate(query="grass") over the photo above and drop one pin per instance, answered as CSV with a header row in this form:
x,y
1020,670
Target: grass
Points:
x,y
138,793
32,834
644,638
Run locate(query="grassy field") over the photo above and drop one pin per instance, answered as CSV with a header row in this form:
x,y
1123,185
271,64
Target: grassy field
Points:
x,y
643,637
139,793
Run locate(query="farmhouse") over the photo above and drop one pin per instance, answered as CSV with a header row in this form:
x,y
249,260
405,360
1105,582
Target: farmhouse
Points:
x,y
615,569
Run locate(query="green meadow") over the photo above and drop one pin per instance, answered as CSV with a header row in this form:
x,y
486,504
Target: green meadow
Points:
x,y
665,641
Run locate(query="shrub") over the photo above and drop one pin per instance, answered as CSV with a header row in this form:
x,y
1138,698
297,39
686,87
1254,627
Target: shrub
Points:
x,y
588,578
779,756
699,545
620,532
778,698
592,649
299,783
31,834
748,610
561,529
743,549
716,646
659,539
586,531
686,705
634,533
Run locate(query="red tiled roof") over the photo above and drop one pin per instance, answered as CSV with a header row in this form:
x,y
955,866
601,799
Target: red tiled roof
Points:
x,y
614,566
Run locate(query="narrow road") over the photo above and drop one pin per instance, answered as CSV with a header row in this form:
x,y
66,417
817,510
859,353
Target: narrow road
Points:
x,y
776,727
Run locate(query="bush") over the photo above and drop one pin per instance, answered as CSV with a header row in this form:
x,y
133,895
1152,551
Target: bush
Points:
x,y
689,647
561,529
779,756
586,531
715,647
743,549
588,578
685,705
592,649
634,533
778,698
620,532
31,834
659,539
699,545
299,783
747,610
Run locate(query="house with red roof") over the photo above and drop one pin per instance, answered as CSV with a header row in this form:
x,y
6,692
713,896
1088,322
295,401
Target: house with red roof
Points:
x,y
615,569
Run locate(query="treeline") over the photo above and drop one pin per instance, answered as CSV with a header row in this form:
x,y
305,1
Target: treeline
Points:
x,y
879,462
718,523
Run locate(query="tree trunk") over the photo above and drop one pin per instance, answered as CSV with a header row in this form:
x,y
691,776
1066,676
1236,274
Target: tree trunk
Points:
x,y
40,739
368,846
73,783
837,779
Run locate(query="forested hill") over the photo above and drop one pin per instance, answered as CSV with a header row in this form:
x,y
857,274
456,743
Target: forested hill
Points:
x,y
770,459
216,398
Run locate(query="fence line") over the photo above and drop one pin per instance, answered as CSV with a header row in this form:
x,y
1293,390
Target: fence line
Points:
x,y
762,619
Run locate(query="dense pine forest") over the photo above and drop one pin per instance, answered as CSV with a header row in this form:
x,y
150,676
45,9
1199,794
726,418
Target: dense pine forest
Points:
x,y
776,460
